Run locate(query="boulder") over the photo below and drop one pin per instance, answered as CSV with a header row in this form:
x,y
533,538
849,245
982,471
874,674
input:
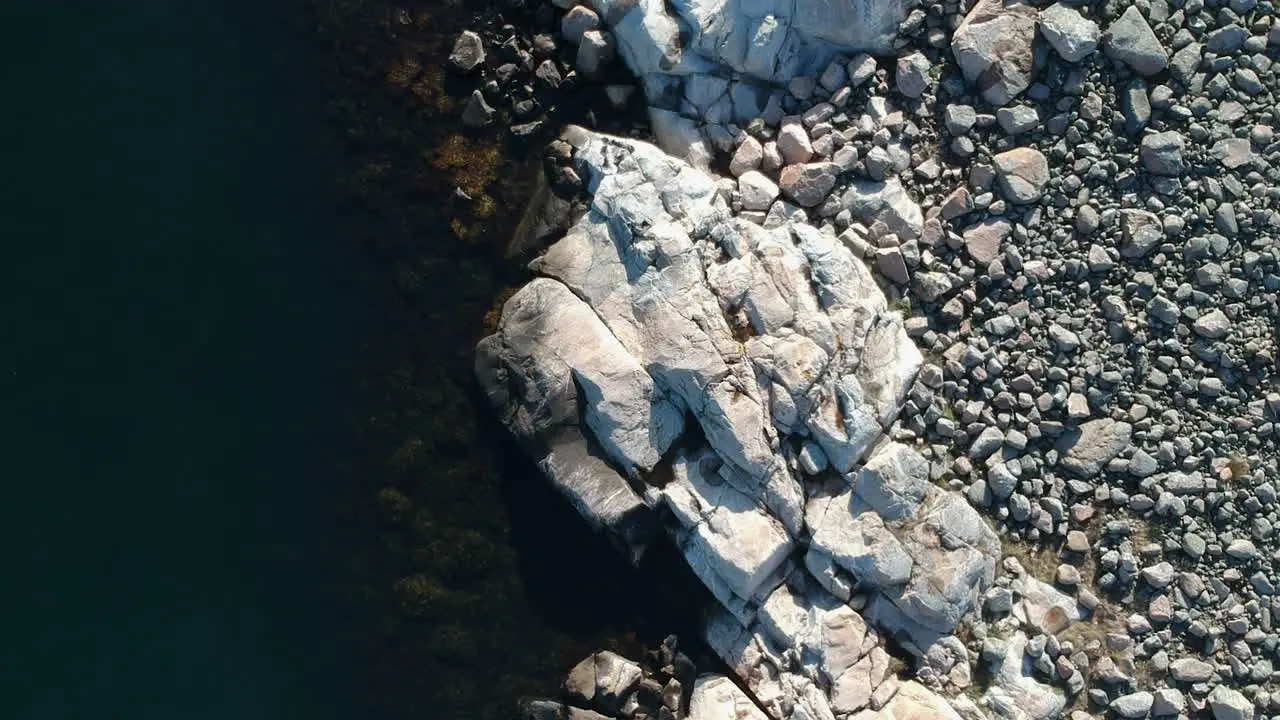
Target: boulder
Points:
x,y
993,46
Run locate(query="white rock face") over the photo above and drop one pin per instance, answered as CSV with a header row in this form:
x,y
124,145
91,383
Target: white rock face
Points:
x,y
672,359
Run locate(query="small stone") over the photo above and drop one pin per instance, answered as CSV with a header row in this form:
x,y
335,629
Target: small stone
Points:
x,y
1070,33
548,74
1232,152
860,69
1168,701
1133,705
1018,119
983,240
809,183
468,52
1159,575
1022,174
986,443
890,263
1190,670
1162,153
1213,325
1068,575
793,143
959,118
1242,549
1229,704
577,22
833,77
747,157
477,113
595,53
757,190
1140,232
913,74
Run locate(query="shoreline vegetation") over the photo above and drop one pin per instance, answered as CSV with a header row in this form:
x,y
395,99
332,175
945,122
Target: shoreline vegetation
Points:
x,y
460,565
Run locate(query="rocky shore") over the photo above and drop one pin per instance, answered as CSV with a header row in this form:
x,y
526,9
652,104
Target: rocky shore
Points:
x,y
941,340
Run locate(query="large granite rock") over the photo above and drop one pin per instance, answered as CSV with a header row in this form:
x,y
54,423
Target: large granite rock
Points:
x,y
668,362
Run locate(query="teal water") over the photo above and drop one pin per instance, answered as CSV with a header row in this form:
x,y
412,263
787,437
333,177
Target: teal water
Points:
x,y
174,328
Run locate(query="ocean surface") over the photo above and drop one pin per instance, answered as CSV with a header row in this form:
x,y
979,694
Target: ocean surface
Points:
x,y
246,470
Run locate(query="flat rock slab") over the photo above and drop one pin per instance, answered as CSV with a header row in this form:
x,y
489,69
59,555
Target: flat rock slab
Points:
x,y
1086,450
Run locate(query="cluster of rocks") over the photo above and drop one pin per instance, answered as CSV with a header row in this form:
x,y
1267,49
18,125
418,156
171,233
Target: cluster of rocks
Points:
x,y
522,73
1079,206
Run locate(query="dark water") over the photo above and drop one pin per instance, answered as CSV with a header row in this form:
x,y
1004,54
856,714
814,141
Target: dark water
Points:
x,y
173,325
247,471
